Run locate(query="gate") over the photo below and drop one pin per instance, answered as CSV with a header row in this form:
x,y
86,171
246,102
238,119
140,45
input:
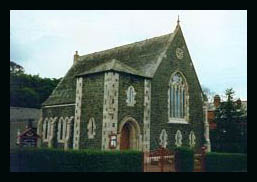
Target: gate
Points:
x,y
199,160
159,160
163,160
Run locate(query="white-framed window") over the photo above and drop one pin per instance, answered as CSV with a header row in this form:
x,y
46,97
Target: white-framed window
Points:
x,y
61,130
163,138
192,139
91,128
131,95
178,138
178,99
46,129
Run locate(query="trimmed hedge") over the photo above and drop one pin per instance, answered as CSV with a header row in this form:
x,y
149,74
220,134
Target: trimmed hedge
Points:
x,y
225,162
184,159
56,160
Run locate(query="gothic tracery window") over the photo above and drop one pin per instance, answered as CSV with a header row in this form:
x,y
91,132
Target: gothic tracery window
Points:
x,y
131,101
177,97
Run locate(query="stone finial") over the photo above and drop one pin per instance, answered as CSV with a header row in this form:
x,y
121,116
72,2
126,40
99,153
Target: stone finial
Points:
x,y
76,56
178,20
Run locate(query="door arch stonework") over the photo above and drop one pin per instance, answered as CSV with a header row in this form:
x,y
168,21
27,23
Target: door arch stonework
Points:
x,y
129,135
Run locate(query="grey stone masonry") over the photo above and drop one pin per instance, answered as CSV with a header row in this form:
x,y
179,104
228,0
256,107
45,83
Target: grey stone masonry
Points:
x,y
77,121
147,114
206,127
110,107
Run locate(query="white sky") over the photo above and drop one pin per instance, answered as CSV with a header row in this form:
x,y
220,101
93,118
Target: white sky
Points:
x,y
44,42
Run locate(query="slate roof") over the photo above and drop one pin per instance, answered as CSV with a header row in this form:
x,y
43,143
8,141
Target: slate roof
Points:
x,y
114,65
24,114
139,58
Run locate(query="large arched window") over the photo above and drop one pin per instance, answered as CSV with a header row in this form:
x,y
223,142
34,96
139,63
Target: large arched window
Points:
x,y
178,99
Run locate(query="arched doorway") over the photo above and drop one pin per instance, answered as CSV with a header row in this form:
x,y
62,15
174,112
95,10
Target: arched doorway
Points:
x,y
125,137
129,134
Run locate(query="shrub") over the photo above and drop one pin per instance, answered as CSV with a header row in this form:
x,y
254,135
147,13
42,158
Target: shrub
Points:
x,y
56,160
225,162
184,159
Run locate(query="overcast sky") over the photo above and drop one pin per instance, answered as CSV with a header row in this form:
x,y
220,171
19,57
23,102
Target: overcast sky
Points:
x,y
44,42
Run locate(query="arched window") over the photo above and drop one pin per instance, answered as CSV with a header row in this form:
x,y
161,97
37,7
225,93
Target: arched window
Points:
x,y
178,138
178,99
192,139
91,127
163,138
131,94
61,130
46,126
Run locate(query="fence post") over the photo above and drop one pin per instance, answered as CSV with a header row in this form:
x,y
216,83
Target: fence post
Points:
x,y
203,154
143,162
162,158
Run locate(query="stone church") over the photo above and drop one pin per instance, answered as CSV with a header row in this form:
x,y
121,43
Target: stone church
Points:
x,y
137,96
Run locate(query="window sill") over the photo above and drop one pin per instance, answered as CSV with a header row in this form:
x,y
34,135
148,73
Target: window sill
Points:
x,y
178,121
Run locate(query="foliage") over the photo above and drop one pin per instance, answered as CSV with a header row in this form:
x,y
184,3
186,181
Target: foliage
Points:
x,y
230,135
184,159
208,94
225,162
15,68
29,90
56,160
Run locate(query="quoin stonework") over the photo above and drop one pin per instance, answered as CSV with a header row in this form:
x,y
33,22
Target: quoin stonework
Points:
x,y
137,96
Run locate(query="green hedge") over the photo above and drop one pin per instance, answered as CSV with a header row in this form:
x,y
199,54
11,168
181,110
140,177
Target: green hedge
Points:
x,y
225,162
55,160
184,159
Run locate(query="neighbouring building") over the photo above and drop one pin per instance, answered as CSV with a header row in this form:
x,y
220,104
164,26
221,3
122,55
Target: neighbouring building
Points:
x,y
213,106
20,120
137,96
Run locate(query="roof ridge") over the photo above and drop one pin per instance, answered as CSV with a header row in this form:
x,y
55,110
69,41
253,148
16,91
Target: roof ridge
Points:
x,y
122,46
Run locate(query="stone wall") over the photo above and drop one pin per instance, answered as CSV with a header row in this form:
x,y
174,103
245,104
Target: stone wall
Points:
x,y
55,113
136,111
159,103
110,107
92,107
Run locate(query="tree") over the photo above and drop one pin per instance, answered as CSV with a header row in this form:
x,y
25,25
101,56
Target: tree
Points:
x,y
208,94
29,90
15,68
228,117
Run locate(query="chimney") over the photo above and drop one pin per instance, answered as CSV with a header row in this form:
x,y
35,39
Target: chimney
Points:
x,y
76,56
216,100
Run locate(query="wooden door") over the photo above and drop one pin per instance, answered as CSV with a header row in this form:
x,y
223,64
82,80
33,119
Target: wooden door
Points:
x,y
124,145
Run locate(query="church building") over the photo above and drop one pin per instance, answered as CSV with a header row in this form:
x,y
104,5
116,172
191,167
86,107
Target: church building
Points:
x,y
137,96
